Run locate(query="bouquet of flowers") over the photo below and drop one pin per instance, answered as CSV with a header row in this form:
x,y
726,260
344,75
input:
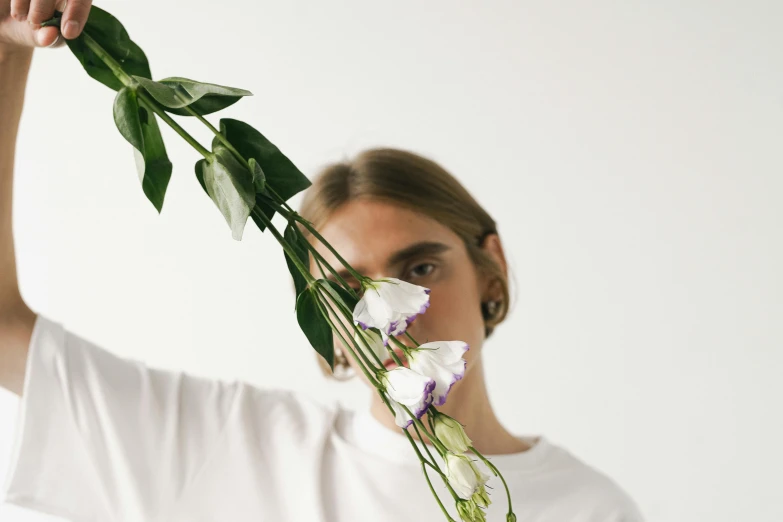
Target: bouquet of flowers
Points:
x,y
246,176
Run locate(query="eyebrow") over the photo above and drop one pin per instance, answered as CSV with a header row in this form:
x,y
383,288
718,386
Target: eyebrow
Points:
x,y
423,248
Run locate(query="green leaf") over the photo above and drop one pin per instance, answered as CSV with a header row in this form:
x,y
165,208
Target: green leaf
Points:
x,y
315,326
281,174
204,98
230,185
112,36
140,128
259,178
299,244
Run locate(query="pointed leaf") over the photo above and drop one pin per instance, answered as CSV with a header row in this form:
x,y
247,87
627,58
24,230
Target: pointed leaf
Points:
x,y
315,326
200,164
109,33
259,178
141,130
294,238
280,172
204,98
230,185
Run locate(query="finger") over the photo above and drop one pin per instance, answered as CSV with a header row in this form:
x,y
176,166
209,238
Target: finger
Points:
x,y
40,11
19,9
48,37
74,17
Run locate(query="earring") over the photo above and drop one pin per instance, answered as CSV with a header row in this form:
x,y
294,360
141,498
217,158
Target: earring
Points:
x,y
490,308
342,368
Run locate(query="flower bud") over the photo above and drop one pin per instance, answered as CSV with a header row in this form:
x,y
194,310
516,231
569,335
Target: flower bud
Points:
x,y
480,497
469,512
511,517
464,477
451,434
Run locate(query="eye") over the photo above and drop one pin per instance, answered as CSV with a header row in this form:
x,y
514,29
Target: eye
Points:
x,y
422,270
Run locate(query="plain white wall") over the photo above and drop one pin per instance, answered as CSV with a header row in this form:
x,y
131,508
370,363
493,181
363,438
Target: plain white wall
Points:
x,y
630,151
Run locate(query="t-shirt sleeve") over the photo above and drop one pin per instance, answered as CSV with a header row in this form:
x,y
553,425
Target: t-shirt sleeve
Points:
x,y
101,438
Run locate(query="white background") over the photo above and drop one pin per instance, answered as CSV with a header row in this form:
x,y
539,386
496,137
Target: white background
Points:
x,y
631,152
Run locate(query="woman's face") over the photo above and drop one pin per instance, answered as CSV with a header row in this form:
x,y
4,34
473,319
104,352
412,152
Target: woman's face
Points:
x,y
380,239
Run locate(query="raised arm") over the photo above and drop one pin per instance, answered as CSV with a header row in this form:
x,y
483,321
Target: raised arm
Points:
x,y
20,33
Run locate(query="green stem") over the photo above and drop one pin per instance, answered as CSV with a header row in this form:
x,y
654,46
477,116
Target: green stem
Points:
x,y
346,344
394,355
418,434
497,474
323,241
364,357
151,104
320,268
218,135
434,494
288,249
411,338
349,316
110,62
338,277
146,101
437,443
405,350
291,214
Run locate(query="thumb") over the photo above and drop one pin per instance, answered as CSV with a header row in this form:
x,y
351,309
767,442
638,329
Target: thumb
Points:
x,y
47,37
25,34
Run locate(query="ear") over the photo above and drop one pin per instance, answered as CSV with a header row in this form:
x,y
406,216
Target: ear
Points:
x,y
494,247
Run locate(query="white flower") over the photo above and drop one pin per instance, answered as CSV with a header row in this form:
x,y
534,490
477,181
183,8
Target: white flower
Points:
x,y
451,434
407,388
463,475
390,305
375,343
441,360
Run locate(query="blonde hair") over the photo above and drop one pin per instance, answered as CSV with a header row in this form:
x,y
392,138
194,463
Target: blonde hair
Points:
x,y
412,181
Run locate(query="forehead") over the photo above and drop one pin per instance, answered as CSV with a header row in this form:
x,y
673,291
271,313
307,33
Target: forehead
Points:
x,y
368,232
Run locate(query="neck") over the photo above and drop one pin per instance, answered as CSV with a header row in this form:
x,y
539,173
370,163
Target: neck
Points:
x,y
468,403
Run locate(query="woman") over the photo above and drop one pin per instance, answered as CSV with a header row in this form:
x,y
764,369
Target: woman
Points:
x,y
105,438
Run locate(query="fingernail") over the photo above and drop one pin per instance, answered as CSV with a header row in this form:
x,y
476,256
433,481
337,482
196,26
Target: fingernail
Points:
x,y
71,29
56,41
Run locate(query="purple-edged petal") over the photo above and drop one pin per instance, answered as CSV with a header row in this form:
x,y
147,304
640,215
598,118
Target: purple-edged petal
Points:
x,y
390,305
443,362
408,388
401,417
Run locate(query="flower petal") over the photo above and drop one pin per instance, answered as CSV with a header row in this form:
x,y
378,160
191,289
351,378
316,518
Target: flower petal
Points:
x,y
375,343
445,351
444,375
404,297
462,478
401,417
442,361
406,386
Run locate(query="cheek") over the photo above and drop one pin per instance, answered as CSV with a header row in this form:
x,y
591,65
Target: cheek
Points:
x,y
454,314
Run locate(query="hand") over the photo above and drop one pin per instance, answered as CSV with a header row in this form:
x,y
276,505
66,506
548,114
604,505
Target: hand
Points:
x,y
20,22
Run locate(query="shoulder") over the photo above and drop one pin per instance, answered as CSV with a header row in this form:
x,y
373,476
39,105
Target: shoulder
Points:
x,y
291,413
592,488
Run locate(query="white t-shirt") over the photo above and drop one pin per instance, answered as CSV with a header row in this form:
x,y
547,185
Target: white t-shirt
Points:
x,y
101,438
